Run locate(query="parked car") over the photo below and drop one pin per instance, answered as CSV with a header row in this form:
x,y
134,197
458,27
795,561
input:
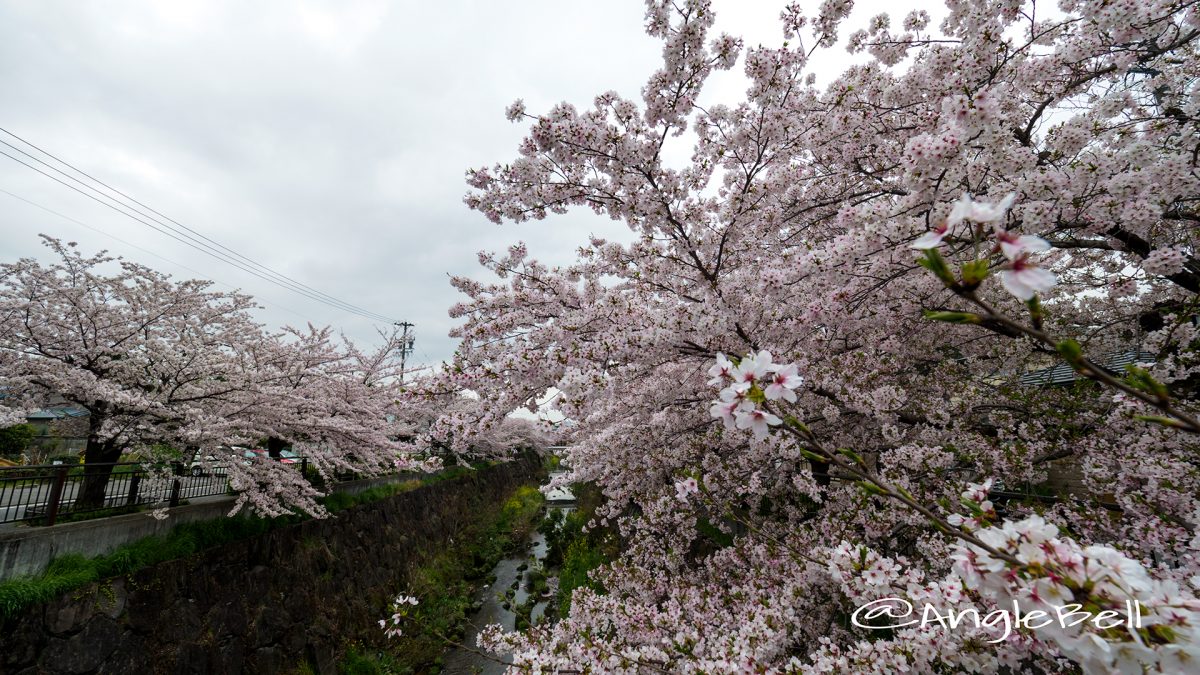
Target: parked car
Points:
x,y
208,465
285,456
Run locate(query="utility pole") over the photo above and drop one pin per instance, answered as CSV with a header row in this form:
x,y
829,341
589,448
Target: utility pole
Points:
x,y
406,345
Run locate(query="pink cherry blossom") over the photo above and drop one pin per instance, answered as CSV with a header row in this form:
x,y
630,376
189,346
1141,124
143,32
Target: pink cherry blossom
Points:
x,y
1165,261
782,383
515,111
1024,279
399,614
685,488
721,372
732,401
966,208
756,420
1014,245
753,369
932,238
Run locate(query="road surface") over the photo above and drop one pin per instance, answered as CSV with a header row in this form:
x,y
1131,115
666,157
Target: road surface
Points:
x,y
15,501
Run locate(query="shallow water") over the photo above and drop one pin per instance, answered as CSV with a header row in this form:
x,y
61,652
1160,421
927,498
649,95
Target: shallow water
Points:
x,y
463,661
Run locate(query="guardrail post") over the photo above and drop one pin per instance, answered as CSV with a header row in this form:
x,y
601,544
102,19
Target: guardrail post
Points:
x,y
304,468
60,479
175,487
134,484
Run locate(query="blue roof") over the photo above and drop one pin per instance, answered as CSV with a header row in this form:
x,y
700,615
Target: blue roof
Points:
x,y
57,413
1063,373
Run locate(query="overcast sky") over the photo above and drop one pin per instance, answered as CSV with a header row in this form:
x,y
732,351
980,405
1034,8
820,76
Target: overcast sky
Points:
x,y
327,140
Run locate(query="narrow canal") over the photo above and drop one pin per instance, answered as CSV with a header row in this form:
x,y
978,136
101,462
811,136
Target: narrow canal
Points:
x,y
498,602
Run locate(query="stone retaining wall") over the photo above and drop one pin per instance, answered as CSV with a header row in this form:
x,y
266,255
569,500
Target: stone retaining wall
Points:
x,y
258,606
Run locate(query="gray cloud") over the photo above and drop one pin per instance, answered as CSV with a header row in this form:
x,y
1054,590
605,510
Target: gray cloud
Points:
x,y
326,140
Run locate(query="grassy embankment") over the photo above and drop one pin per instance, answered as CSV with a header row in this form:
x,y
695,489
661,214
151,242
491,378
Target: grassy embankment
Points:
x,y
445,584
573,551
69,572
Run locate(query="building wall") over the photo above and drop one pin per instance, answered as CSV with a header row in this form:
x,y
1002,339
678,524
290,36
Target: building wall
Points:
x,y
57,437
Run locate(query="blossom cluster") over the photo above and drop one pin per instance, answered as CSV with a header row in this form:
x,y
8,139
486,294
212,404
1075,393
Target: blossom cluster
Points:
x,y
686,487
1020,276
400,605
975,498
1164,261
754,379
1051,571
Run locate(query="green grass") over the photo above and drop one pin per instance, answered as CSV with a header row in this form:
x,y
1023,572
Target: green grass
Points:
x,y
358,662
339,501
69,572
573,552
445,583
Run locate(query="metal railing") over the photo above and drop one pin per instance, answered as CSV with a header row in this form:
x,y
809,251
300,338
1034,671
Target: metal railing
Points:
x,y
49,493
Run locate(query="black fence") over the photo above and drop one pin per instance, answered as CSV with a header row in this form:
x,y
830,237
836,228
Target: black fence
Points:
x,y
49,493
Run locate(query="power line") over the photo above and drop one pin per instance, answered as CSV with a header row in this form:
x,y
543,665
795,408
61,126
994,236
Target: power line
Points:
x,y
181,233
217,244
176,237
428,361
183,238
198,273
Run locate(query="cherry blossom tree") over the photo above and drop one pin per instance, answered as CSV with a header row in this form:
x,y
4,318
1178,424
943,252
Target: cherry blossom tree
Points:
x,y
156,362
452,421
816,340
146,356
334,402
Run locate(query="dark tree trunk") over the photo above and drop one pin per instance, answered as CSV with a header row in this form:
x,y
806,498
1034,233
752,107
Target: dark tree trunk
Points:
x,y
1186,278
820,472
97,467
275,447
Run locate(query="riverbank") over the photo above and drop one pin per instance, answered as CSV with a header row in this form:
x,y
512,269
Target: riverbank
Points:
x,y
533,585
447,587
516,597
301,596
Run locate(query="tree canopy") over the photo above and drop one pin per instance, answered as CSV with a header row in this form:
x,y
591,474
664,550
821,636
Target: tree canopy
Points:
x,y
815,343
163,363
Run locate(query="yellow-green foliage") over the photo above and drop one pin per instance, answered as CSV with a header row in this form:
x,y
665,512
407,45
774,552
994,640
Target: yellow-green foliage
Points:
x,y
444,583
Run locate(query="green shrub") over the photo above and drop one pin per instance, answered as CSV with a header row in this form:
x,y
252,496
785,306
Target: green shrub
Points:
x,y
572,549
14,439
582,556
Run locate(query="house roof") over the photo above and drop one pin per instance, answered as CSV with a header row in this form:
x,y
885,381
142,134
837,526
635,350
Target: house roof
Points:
x,y
1063,373
57,413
